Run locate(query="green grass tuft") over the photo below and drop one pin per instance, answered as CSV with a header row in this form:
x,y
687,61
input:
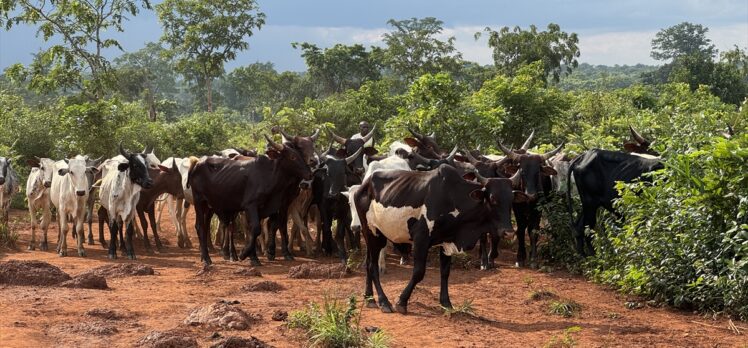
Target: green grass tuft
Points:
x,y
566,308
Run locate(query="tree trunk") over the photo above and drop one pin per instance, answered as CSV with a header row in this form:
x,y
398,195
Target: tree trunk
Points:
x,y
151,106
209,93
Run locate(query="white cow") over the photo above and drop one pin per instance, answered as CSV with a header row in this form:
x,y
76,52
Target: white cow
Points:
x,y
69,194
122,179
37,194
8,187
177,209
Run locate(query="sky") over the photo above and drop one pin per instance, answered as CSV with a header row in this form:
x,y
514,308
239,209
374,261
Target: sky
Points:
x,y
610,32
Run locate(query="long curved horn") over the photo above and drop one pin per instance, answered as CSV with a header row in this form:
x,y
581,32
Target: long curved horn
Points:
x,y
470,158
433,135
286,137
351,158
483,181
639,139
275,145
452,154
507,152
315,136
419,157
340,140
478,148
122,151
419,136
371,134
550,154
515,178
526,144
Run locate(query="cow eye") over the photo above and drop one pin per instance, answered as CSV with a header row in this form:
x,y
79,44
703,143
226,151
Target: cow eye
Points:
x,y
293,157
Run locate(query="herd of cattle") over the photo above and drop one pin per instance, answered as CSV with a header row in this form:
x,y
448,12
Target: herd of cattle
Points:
x,y
416,196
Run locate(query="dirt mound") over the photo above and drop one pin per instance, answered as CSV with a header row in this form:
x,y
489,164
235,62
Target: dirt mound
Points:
x,y
249,272
311,270
121,270
86,281
265,286
279,315
105,313
222,314
167,339
239,342
97,328
41,273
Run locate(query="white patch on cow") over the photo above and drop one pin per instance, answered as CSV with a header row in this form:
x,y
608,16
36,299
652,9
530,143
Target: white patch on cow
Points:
x,y
451,249
455,212
645,155
141,159
392,221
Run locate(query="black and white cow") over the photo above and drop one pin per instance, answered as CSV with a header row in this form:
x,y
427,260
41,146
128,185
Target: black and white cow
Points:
x,y
437,207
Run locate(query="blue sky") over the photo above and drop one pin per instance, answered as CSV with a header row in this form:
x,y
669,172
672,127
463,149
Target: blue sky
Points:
x,y
611,32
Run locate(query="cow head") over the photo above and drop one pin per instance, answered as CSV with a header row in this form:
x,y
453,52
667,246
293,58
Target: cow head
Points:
x,y
4,169
166,179
137,166
351,146
532,168
639,144
46,167
289,158
425,145
485,167
334,171
305,145
417,161
77,172
498,195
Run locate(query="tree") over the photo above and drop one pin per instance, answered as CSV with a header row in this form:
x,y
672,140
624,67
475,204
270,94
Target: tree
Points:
x,y
413,49
204,35
515,48
147,74
83,29
685,39
340,67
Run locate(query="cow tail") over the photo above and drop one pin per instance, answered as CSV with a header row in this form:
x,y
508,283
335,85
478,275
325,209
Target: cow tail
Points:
x,y
569,202
193,160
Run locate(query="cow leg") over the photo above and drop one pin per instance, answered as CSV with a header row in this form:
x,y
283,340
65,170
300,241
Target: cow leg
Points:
x,y
382,261
533,230
203,215
46,219
220,234
151,210
34,222
587,218
173,205
340,232
80,229
62,245
484,264
420,254
494,253
445,263
404,250
122,246
374,244
114,227
144,224
254,225
272,224
282,221
183,217
232,248
89,221
222,230
129,246
520,214
103,218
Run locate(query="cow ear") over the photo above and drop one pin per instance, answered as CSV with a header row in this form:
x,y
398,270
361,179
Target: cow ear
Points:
x,y
547,170
520,197
341,153
164,169
370,151
123,167
478,195
33,162
631,147
412,142
63,171
470,176
273,153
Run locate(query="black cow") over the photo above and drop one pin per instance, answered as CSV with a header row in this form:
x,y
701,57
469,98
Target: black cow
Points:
x,y
425,209
425,145
351,146
327,187
227,187
596,173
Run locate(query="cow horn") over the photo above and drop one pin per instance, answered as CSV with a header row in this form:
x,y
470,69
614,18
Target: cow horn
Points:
x,y
419,136
433,135
285,136
550,154
351,158
515,178
507,152
470,158
483,181
452,154
174,164
340,140
145,150
639,139
122,151
273,144
419,157
526,144
371,134
478,148
315,136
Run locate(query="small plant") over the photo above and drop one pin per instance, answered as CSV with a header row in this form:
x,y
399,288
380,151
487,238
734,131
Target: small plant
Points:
x,y
566,340
528,281
466,308
613,315
335,324
542,294
566,308
8,237
355,259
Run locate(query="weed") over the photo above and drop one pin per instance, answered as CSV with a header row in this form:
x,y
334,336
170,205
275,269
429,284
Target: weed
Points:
x,y
528,281
542,294
566,308
567,340
466,308
8,237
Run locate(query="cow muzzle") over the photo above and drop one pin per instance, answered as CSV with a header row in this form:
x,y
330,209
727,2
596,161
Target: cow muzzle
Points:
x,y
80,193
47,184
507,233
148,184
2,180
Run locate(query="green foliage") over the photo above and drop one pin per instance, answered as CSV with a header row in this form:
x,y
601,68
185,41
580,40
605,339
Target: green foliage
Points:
x,y
685,236
684,39
566,340
566,308
341,67
601,77
335,324
8,236
512,49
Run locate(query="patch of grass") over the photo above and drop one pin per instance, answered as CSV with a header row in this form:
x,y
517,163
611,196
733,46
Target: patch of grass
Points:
x,y
566,340
463,260
355,259
528,280
335,324
613,315
8,237
542,294
466,308
566,308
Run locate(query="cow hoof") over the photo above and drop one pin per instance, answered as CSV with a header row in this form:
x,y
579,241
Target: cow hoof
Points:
x,y
31,247
112,256
483,267
44,246
288,257
519,264
63,253
104,245
82,253
371,304
401,309
255,263
386,308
